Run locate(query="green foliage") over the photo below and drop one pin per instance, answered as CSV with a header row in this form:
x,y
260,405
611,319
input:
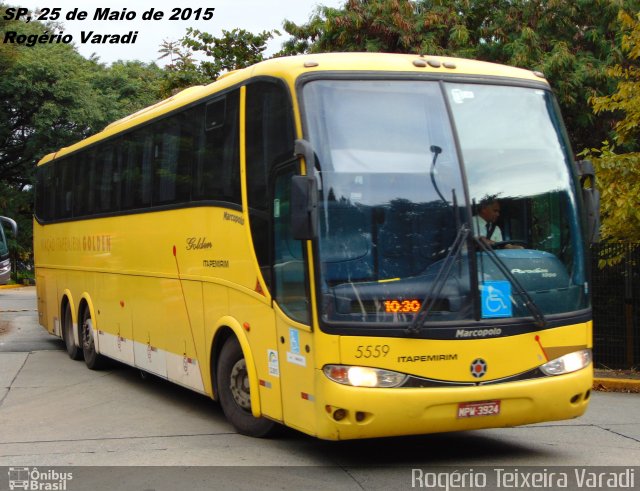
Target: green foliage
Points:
x,y
619,183
626,99
126,87
50,97
38,110
182,71
572,43
235,49
619,172
390,26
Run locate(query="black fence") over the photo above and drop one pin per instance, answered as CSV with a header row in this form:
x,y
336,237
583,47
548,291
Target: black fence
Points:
x,y
616,306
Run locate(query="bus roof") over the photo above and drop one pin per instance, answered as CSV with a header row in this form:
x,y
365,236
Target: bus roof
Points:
x,y
290,68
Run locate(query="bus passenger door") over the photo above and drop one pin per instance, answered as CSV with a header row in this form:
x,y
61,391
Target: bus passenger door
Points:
x,y
295,348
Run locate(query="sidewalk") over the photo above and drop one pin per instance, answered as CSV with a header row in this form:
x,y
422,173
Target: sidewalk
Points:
x,y
8,287
616,381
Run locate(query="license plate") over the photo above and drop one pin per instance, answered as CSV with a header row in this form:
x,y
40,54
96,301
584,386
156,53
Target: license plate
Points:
x,y
475,409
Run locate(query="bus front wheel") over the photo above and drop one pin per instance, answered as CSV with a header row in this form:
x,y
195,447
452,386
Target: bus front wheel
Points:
x,y
74,352
234,393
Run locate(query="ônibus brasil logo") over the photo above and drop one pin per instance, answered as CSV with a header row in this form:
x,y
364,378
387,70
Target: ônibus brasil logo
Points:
x,y
33,479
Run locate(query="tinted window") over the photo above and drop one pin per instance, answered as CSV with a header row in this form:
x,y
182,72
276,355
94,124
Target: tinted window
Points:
x,y
270,139
191,155
136,169
216,158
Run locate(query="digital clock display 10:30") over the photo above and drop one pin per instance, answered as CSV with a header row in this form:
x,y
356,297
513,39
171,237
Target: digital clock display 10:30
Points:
x,y
402,306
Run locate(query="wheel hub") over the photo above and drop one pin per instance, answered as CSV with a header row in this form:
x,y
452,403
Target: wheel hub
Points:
x,y
239,385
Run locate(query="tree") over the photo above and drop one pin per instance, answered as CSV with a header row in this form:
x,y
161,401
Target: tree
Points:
x,y
619,173
50,97
391,26
182,71
626,99
236,49
572,43
171,49
619,183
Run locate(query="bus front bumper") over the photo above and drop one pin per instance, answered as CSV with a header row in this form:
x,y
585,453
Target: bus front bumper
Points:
x,y
346,412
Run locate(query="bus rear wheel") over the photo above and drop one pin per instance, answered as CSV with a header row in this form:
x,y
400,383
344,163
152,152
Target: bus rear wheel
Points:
x,y
234,394
92,358
74,352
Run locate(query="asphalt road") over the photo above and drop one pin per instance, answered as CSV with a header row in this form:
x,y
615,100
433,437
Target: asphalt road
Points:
x,y
54,412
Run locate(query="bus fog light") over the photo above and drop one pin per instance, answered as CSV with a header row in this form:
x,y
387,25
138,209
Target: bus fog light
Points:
x,y
364,376
339,414
571,362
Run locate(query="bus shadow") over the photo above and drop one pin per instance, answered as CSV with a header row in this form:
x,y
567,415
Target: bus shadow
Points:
x,y
445,449
437,449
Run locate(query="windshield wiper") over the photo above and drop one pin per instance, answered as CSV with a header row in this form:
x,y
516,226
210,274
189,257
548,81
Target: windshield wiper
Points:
x,y
528,302
440,280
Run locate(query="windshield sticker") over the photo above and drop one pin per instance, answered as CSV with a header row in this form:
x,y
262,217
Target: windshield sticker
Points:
x,y
496,299
459,96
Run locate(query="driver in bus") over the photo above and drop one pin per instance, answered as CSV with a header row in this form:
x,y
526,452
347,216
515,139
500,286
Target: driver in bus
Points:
x,y
485,226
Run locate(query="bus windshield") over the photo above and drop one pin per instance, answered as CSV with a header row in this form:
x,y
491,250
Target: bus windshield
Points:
x,y
393,199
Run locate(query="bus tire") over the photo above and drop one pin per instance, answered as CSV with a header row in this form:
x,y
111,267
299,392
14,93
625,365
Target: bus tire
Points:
x,y
233,392
93,359
74,352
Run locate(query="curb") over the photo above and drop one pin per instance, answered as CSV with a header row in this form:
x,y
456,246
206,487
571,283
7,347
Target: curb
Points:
x,y
616,385
9,287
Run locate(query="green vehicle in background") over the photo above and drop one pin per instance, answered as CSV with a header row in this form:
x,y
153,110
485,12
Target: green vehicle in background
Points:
x,y
5,263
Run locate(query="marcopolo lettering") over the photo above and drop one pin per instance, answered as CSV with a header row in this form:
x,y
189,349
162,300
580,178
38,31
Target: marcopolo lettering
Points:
x,y
230,217
478,333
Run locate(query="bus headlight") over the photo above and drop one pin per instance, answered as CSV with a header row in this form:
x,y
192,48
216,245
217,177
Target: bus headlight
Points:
x,y
364,376
568,363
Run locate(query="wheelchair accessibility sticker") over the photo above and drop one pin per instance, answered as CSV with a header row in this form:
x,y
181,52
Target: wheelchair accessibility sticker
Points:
x,y
496,299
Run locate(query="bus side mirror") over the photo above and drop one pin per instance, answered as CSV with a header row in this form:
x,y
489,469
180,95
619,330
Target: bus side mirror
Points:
x,y
590,198
304,207
304,195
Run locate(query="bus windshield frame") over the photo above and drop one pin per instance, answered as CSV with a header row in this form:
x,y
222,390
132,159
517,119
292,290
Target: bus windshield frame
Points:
x,y
402,164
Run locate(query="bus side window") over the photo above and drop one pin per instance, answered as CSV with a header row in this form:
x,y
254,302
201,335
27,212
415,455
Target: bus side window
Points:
x,y
64,184
48,201
216,161
270,137
136,175
288,266
173,143
84,184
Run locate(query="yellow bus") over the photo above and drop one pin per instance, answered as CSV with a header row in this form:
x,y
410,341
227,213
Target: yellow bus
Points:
x,y
296,240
